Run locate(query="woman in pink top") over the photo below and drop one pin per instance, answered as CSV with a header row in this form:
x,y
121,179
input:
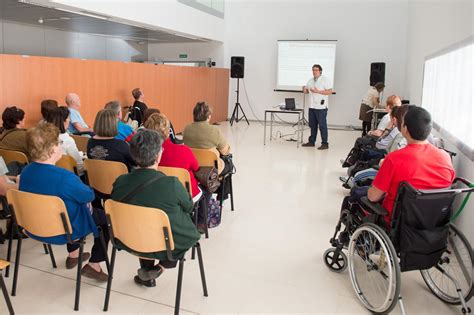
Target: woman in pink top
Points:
x,y
175,155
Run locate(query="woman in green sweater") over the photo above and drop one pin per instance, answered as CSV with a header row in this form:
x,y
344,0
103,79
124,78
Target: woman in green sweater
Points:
x,y
165,193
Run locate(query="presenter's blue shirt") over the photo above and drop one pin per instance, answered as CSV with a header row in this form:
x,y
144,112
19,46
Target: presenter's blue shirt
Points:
x,y
124,131
50,180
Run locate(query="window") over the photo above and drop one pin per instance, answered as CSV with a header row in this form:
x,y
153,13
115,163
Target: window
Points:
x,y
447,94
214,7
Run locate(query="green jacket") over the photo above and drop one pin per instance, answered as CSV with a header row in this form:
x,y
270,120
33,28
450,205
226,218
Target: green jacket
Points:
x,y
167,194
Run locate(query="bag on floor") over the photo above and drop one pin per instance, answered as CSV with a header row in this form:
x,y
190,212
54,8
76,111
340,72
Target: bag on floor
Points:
x,y
213,213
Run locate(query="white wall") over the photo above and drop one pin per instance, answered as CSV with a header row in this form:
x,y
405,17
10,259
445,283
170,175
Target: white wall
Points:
x,y
22,39
195,51
435,25
164,14
367,31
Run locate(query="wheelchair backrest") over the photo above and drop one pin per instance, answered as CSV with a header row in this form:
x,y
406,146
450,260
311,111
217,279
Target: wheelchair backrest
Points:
x,y
420,225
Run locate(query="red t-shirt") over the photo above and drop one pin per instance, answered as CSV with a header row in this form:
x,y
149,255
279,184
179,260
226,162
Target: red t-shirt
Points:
x,y
422,165
180,155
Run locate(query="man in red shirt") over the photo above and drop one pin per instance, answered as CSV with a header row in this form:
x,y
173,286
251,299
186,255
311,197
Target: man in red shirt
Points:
x,y
420,163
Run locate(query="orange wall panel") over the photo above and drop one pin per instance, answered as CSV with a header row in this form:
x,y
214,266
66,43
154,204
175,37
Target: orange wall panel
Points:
x,y
25,81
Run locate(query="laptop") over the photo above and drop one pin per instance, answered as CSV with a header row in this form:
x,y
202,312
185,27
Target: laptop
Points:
x,y
289,104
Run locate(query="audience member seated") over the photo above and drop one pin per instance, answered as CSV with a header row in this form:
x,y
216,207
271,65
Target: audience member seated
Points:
x,y
60,118
201,135
46,107
43,177
138,107
175,155
77,125
13,136
6,182
392,101
370,101
165,193
125,132
151,111
419,163
104,146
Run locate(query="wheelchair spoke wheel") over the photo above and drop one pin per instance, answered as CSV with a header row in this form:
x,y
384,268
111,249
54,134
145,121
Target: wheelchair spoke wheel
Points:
x,y
336,261
457,263
374,269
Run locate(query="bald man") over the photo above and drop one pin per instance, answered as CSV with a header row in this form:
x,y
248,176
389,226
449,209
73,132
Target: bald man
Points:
x,y
77,125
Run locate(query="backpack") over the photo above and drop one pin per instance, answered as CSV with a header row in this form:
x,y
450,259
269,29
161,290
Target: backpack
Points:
x,y
213,213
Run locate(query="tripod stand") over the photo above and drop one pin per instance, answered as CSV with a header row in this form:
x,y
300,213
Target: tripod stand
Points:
x,y
235,112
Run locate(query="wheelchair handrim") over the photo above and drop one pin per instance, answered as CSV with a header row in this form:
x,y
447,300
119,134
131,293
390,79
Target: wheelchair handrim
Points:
x,y
392,276
430,275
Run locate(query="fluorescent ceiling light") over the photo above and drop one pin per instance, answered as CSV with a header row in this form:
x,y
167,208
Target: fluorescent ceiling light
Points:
x,y
85,13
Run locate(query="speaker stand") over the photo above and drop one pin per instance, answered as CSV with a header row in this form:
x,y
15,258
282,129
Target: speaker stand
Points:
x,y
235,112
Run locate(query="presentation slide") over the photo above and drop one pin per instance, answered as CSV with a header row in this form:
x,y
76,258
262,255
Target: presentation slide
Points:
x,y
447,91
295,59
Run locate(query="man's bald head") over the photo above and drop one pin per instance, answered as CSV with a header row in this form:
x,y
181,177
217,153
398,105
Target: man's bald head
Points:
x,y
72,100
393,100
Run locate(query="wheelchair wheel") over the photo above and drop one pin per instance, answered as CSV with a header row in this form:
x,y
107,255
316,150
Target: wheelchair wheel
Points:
x,y
457,262
337,262
374,269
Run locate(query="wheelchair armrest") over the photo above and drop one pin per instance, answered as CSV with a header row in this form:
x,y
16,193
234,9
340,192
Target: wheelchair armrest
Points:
x,y
374,207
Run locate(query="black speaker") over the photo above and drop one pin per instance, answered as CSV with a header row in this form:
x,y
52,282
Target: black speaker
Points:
x,y
237,67
377,72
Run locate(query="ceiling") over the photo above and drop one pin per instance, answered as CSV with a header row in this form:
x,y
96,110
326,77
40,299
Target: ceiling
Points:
x,y
26,13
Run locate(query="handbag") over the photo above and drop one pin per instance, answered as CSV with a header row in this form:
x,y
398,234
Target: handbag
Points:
x,y
213,213
208,177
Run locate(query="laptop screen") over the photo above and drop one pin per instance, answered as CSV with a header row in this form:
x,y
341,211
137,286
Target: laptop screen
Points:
x,y
290,103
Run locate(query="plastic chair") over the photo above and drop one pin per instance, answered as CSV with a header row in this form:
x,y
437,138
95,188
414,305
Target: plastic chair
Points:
x,y
10,156
144,230
101,174
81,142
42,216
3,265
210,157
67,162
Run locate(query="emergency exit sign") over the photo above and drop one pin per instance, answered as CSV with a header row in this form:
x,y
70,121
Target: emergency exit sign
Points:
x,y
183,56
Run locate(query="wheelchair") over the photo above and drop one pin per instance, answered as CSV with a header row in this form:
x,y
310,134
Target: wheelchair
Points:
x,y
420,236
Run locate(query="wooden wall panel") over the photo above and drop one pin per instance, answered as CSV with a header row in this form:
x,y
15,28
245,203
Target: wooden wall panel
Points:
x,y
25,81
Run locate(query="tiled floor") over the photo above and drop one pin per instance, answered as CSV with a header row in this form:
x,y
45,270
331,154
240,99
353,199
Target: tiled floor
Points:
x,y
265,257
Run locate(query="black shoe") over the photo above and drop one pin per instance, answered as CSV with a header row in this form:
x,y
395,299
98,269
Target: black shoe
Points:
x,y
308,144
147,283
323,147
149,274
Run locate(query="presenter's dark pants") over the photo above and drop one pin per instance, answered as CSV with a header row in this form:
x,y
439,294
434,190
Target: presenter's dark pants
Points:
x,y
317,118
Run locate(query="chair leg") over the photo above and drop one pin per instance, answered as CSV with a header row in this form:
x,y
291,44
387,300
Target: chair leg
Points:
x,y
221,199
193,253
5,295
231,193
51,254
205,210
78,277
104,248
46,252
201,269
178,286
17,265
9,251
109,280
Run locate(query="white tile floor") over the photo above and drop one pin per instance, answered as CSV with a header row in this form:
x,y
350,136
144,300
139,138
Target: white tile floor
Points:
x,y
265,257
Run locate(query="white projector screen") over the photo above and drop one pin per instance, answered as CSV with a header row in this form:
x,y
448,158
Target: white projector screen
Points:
x,y
447,93
296,57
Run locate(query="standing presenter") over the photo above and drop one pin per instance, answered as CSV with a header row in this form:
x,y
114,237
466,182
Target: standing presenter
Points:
x,y
319,88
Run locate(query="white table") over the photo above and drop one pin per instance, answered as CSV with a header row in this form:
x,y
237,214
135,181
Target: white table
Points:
x,y
375,117
300,123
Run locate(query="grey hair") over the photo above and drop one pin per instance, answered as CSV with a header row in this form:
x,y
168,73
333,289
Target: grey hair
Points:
x,y
113,106
145,146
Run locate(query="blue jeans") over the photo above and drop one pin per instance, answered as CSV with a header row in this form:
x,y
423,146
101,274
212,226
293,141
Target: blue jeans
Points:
x,y
317,118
